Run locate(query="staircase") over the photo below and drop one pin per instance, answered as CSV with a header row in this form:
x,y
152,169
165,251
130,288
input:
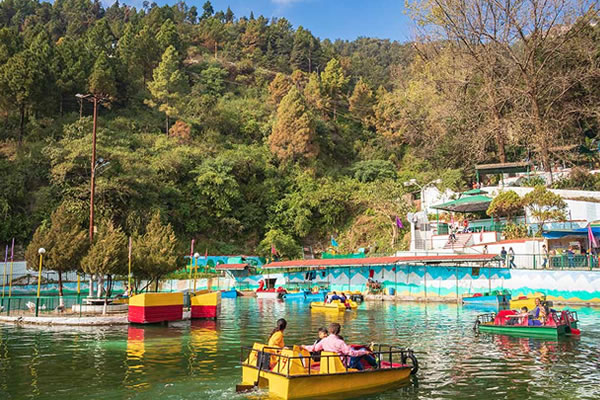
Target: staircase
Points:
x,y
462,240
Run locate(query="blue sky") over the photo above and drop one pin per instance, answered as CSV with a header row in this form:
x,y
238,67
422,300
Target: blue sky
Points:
x,y
333,19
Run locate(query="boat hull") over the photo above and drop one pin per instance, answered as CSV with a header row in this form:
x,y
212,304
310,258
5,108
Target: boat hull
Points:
x,y
499,300
229,294
335,306
516,330
326,385
268,295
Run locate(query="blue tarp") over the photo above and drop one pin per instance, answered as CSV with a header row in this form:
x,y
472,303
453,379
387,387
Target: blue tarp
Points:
x,y
560,233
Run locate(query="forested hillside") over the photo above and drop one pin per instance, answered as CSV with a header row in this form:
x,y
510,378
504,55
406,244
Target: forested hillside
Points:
x,y
247,132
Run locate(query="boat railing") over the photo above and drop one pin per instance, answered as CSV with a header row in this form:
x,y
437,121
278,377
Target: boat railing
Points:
x,y
286,362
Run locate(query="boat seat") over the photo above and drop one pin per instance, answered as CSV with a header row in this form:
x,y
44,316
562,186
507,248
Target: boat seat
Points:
x,y
295,367
253,356
332,365
386,364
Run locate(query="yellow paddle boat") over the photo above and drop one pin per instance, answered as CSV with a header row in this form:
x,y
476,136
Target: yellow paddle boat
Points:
x,y
528,301
293,374
335,305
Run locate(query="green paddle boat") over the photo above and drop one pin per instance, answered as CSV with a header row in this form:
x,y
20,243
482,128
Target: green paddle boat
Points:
x,y
558,323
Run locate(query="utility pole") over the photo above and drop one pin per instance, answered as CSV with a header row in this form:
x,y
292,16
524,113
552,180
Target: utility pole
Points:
x,y
95,100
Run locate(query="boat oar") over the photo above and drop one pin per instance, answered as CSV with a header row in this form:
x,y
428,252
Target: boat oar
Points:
x,y
247,388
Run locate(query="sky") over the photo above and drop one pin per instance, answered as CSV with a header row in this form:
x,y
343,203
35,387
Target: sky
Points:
x,y
331,19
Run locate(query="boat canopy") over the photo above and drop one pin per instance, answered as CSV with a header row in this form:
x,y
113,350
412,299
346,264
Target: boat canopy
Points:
x,y
379,261
466,204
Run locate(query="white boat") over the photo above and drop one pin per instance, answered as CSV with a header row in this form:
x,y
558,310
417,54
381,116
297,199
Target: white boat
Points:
x,y
263,294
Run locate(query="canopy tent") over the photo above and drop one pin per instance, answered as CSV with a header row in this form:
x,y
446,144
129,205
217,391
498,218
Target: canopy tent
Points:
x,y
466,204
473,192
579,232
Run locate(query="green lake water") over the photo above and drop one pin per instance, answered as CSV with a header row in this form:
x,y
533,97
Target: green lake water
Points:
x,y
200,360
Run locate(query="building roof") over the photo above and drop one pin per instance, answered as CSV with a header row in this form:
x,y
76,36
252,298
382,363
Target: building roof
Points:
x,y
378,261
561,233
503,168
229,267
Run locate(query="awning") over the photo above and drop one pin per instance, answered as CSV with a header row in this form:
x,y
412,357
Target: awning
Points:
x,y
561,233
230,267
503,168
379,261
466,204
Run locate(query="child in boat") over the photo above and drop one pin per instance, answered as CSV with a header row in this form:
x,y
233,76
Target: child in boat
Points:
x,y
276,337
333,343
316,355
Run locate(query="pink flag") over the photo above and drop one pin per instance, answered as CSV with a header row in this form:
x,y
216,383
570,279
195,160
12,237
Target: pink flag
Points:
x,y
591,238
192,249
399,223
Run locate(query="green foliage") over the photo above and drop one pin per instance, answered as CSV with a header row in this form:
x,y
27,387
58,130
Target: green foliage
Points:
x,y
515,231
284,245
505,204
102,78
372,170
65,242
154,252
108,253
168,85
545,206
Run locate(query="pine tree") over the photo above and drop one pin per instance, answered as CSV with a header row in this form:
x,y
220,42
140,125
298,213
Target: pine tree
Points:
x,y
108,253
208,10
333,82
229,15
293,135
65,241
305,51
168,85
168,36
313,92
361,102
155,252
102,79
279,87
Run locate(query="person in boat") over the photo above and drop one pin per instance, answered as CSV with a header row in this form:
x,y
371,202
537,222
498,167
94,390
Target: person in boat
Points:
x,y
334,297
334,343
323,333
538,314
276,337
346,301
518,318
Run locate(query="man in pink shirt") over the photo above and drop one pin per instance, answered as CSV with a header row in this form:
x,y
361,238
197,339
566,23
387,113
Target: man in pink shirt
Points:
x,y
333,343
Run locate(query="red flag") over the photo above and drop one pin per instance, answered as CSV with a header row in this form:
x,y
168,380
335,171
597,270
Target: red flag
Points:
x,y
206,253
273,250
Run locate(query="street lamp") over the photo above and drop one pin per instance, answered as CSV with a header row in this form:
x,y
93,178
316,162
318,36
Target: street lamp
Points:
x,y
41,252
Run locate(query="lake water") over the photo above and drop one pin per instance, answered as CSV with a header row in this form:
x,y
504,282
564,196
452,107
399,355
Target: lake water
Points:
x,y
200,360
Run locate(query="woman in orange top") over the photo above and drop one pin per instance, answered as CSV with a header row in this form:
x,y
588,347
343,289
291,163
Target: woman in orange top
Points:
x,y
276,338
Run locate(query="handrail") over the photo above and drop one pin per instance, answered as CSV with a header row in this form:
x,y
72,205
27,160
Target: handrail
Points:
x,y
274,352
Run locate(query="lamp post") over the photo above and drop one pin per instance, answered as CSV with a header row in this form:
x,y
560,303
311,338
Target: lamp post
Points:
x,y
41,252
